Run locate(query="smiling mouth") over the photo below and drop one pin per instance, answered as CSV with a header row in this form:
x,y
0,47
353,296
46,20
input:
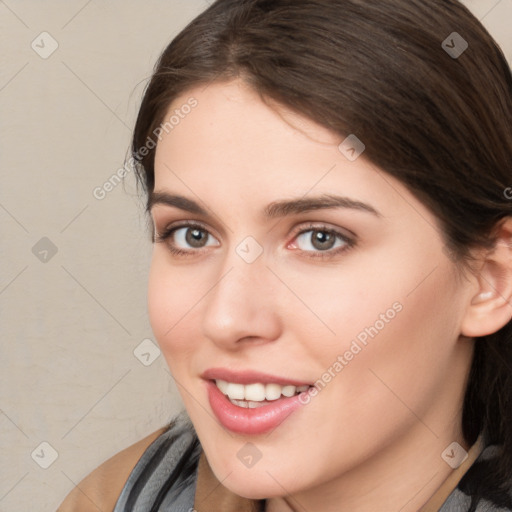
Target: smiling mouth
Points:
x,y
257,394
251,402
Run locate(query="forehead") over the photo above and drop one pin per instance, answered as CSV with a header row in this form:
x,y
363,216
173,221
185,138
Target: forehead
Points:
x,y
233,146
231,119
232,131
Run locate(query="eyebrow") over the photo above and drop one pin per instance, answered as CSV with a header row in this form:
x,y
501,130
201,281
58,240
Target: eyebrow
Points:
x,y
273,210
324,202
175,200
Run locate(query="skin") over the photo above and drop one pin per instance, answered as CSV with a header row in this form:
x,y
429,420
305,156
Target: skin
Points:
x,y
372,438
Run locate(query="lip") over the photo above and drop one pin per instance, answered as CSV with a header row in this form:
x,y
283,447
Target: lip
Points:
x,y
250,421
250,377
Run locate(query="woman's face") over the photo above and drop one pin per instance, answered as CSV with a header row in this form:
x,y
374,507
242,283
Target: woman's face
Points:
x,y
298,263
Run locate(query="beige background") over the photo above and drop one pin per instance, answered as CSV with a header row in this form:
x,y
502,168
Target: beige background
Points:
x,y
71,321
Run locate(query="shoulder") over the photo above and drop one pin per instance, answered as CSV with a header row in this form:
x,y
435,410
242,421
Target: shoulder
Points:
x,y
101,488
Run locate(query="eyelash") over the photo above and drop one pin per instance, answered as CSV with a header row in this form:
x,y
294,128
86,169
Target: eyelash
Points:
x,y
349,242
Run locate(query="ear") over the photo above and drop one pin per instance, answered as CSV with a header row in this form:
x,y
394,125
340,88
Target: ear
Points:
x,y
490,307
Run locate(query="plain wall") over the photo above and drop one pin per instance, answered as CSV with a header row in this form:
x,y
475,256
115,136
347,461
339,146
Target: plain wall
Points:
x,y
71,321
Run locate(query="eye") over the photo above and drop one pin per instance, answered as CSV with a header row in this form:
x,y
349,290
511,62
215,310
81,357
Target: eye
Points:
x,y
186,239
192,236
321,240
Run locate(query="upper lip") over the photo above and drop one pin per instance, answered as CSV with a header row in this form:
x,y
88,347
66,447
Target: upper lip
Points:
x,y
249,377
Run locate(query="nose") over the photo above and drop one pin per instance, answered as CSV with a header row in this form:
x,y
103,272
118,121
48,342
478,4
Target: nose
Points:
x,y
242,306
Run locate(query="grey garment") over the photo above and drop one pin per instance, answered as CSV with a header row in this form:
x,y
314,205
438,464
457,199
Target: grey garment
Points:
x,y
460,502
164,478
477,491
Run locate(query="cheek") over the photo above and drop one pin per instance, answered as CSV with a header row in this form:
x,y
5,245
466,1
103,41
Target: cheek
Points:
x,y
402,319
332,307
172,296
401,350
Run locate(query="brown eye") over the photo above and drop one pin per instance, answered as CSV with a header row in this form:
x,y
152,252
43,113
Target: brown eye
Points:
x,y
320,240
196,237
190,237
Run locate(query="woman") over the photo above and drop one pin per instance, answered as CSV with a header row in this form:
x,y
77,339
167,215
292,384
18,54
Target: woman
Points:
x,y
332,269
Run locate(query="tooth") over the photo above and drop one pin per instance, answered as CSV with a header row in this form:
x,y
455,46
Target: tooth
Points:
x,y
288,390
253,405
272,391
240,403
255,392
235,391
223,386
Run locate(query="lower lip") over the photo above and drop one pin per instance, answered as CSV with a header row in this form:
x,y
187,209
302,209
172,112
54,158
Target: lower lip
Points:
x,y
250,421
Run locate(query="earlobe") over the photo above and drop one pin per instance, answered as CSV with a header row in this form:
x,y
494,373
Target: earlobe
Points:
x,y
490,308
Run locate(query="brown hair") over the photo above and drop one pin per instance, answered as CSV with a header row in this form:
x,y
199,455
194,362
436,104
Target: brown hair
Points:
x,y
440,123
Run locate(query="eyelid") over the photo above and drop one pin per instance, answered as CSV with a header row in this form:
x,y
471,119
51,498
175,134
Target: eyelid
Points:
x,y
172,226
344,233
167,216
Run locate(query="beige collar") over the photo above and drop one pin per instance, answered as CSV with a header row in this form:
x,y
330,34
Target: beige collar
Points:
x,y
448,486
212,496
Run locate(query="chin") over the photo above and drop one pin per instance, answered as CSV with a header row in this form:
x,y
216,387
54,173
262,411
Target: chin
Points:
x,y
254,488
258,482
